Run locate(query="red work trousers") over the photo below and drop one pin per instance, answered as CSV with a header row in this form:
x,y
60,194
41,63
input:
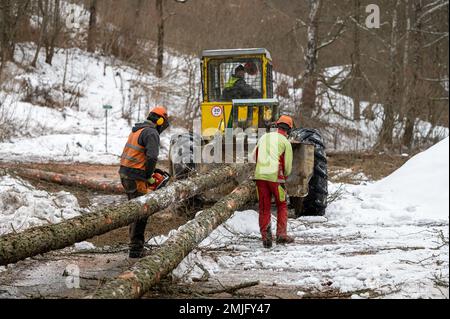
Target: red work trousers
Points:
x,y
265,191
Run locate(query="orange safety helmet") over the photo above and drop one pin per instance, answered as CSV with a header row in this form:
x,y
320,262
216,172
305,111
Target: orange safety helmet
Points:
x,y
285,119
161,111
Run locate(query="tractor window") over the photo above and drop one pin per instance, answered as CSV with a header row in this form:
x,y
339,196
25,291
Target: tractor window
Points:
x,y
234,79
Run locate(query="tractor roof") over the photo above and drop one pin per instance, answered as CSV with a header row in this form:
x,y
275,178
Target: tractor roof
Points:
x,y
236,52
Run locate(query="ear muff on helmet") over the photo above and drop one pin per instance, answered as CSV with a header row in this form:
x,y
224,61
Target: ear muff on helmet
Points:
x,y
160,121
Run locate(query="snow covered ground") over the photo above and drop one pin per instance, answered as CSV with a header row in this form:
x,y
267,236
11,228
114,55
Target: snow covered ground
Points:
x,y
74,129
385,239
22,206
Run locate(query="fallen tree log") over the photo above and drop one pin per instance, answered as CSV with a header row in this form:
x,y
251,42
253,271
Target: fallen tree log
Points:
x,y
34,241
110,187
150,270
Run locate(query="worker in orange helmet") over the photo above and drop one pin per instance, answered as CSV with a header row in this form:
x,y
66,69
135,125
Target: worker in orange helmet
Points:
x,y
274,157
137,165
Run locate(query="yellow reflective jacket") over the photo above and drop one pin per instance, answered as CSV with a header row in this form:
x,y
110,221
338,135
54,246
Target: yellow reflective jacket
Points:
x,y
273,156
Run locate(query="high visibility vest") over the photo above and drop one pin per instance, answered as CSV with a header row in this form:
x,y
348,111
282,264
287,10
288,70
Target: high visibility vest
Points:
x,y
231,82
133,155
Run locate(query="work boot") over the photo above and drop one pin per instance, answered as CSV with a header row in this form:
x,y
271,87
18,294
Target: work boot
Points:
x,y
137,254
267,243
283,240
268,239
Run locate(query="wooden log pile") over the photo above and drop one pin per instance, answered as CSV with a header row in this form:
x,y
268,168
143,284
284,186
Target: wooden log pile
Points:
x,y
34,241
150,270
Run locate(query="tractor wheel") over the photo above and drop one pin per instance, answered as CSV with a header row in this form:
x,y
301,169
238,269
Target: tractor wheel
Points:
x,y
316,202
181,155
182,165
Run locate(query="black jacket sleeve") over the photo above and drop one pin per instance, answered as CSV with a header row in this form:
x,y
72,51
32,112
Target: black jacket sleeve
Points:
x,y
149,139
245,90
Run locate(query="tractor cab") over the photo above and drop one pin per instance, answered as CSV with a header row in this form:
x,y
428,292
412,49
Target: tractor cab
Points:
x,y
237,90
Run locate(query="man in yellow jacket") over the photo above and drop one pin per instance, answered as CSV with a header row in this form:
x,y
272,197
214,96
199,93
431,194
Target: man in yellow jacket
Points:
x,y
273,165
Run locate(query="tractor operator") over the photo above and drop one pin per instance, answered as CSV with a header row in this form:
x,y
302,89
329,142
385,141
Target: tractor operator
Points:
x,y
137,167
237,88
273,156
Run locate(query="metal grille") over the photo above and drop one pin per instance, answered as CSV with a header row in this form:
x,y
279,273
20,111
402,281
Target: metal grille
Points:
x,y
269,81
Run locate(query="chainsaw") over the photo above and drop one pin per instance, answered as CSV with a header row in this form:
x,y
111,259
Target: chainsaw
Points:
x,y
160,179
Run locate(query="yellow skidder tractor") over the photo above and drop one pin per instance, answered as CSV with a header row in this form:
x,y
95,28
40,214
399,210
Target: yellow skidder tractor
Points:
x,y
238,106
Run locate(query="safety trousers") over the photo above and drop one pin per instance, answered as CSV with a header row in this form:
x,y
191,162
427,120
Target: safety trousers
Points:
x,y
136,189
265,192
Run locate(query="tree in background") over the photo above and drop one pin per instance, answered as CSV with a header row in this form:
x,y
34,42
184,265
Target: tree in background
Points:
x,y
385,138
92,29
11,14
160,45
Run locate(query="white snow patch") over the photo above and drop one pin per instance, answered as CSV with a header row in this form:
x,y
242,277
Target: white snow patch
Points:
x,y
84,246
22,206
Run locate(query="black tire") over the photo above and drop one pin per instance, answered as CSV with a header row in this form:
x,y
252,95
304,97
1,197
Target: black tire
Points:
x,y
181,155
182,166
315,203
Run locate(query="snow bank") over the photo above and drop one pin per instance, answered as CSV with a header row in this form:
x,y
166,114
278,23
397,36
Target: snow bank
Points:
x,y
22,206
422,183
418,192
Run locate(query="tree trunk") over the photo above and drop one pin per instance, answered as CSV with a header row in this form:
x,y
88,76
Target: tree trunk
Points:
x,y
416,102
110,187
150,270
92,31
357,77
385,138
38,240
406,85
308,100
53,36
160,48
11,14
43,9
7,52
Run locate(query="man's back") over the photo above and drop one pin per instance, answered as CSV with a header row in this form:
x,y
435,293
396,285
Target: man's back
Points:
x,y
273,150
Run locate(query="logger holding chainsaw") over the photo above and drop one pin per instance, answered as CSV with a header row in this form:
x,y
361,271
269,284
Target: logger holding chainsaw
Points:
x,y
138,172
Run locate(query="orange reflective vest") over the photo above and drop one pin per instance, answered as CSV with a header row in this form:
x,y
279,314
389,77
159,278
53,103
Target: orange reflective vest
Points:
x,y
133,155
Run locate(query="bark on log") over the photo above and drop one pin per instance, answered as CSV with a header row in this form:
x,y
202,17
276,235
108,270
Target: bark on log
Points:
x,y
110,187
18,246
150,270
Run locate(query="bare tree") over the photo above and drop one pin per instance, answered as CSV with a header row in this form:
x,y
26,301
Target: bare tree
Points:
x,y
160,36
54,30
417,89
42,11
308,101
92,31
11,13
160,47
385,138
356,72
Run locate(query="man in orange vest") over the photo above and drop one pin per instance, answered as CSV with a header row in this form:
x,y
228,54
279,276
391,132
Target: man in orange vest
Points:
x,y
137,164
